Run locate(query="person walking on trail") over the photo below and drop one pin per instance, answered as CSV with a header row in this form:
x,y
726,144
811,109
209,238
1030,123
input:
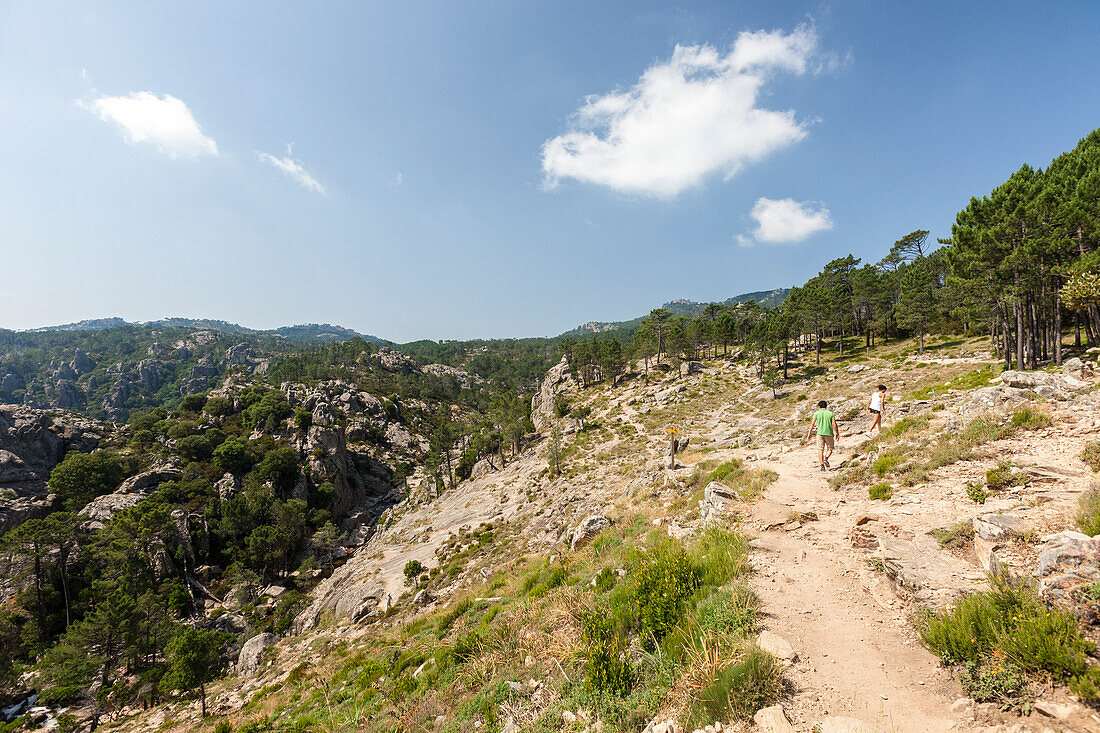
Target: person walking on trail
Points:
x,y
876,408
824,423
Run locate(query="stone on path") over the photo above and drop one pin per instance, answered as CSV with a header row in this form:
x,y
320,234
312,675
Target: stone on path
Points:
x,y
772,720
776,645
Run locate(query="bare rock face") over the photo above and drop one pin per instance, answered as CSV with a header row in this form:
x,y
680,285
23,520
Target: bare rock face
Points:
x,y
588,528
933,577
1057,384
32,442
1083,370
393,360
252,651
554,383
130,492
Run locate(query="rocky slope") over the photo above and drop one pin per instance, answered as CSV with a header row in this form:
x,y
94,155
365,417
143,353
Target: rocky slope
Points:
x,y
841,575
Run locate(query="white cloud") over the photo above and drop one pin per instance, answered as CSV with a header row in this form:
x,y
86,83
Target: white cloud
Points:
x,y
787,220
686,118
292,168
164,121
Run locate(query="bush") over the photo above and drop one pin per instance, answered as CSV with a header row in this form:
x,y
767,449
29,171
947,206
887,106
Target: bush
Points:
x,y
1009,622
880,491
218,406
993,681
233,456
666,579
740,689
194,448
1091,455
886,463
1003,477
957,535
193,403
280,467
81,477
730,611
607,667
1088,512
976,492
1030,418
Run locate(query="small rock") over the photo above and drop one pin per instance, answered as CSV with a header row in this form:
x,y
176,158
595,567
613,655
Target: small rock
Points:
x,y
589,527
568,718
772,720
529,661
776,645
962,704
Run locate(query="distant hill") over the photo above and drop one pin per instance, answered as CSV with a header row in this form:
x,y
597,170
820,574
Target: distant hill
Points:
x,y
681,307
306,333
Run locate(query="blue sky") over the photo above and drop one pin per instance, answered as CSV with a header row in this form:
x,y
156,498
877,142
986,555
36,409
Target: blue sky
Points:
x,y
492,169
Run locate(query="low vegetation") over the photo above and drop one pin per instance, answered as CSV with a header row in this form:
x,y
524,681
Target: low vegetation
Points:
x,y
1008,642
1091,455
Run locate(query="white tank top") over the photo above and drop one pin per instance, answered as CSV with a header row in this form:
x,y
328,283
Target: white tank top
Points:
x,y
876,401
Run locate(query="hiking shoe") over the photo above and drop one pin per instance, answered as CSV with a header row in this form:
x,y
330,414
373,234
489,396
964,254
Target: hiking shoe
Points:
x,y
827,464
823,469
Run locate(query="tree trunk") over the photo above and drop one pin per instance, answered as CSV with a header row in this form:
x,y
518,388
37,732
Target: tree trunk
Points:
x,y
1058,330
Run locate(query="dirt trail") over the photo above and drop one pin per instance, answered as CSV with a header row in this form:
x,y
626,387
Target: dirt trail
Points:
x,y
857,655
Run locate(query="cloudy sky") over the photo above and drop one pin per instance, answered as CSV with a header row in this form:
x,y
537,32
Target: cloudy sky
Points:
x,y
480,169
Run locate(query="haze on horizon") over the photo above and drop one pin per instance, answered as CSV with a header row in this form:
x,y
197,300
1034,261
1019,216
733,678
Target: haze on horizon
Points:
x,y
434,171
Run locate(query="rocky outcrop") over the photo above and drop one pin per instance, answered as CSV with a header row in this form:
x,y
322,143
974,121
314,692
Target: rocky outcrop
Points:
x,y
69,395
588,528
130,492
238,354
556,381
252,652
464,378
932,577
81,363
201,376
394,361
32,442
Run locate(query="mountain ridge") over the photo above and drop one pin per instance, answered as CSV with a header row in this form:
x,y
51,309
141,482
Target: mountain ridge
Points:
x,y
298,333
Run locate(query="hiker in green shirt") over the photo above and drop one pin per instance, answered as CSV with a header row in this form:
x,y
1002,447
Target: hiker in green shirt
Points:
x,y
824,422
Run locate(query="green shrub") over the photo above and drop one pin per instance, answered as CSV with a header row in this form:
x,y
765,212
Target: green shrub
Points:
x,y
993,681
1003,477
223,726
605,580
976,491
957,535
218,406
732,611
193,403
607,667
1087,686
880,491
1030,418
1009,625
1091,455
740,689
887,462
1088,512
666,579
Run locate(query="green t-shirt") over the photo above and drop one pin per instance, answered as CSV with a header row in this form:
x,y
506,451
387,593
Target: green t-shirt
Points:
x,y
824,419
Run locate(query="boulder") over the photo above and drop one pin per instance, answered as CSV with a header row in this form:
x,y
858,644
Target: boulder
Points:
x,y
856,368
1078,369
688,368
666,726
81,363
252,652
1067,549
588,528
1033,380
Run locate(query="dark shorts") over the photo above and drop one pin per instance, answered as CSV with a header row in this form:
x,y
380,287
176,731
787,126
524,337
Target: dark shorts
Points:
x,y
875,412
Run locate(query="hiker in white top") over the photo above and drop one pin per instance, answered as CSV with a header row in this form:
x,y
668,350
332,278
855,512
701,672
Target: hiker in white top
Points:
x,y
876,408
